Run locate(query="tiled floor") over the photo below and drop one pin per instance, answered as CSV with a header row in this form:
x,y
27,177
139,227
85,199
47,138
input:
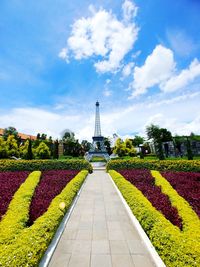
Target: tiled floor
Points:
x,y
99,232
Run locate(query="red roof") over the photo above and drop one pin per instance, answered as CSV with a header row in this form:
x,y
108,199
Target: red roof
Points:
x,y
23,136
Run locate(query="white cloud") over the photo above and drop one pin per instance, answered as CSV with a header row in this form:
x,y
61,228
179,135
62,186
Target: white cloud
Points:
x,y
129,10
184,78
64,54
127,69
158,67
102,34
107,92
179,114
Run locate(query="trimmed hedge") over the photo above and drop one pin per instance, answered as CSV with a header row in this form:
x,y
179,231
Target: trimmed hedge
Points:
x,y
17,214
190,220
32,242
160,165
175,247
43,165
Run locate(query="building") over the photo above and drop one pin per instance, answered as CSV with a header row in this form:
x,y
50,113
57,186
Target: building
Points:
x,y
23,137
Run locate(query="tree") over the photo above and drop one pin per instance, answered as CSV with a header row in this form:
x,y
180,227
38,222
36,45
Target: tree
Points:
x,y
119,148
189,150
155,133
10,131
122,148
138,140
85,146
12,146
30,152
107,144
72,147
42,151
3,149
55,149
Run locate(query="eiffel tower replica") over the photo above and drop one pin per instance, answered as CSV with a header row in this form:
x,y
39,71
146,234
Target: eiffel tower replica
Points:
x,y
98,148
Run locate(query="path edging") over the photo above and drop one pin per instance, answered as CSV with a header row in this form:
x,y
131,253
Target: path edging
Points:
x,y
153,253
54,242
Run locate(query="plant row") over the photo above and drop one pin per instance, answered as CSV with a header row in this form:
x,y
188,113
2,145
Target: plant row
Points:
x,y
176,247
42,165
9,183
160,165
187,184
144,181
24,246
51,184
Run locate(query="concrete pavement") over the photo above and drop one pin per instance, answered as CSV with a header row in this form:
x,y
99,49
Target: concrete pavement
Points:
x,y
99,232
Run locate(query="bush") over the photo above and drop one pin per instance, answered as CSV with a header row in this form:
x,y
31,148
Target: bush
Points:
x,y
42,165
176,165
17,214
30,245
42,151
176,248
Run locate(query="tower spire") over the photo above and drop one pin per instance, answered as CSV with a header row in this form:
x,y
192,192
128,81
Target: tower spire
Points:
x,y
97,131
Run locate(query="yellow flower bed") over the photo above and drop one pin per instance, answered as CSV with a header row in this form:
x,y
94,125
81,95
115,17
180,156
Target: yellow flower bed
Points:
x,y
176,248
31,243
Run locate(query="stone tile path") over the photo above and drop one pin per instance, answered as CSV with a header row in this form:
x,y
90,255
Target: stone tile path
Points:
x,y
99,232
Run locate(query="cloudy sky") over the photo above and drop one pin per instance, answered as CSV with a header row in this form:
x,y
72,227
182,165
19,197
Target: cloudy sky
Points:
x,y
140,59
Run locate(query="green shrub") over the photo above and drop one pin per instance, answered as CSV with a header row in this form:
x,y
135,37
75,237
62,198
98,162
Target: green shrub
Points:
x,y
176,248
42,165
17,214
42,151
32,242
176,165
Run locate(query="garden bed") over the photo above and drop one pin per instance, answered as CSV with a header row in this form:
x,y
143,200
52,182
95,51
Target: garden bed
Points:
x,y
176,247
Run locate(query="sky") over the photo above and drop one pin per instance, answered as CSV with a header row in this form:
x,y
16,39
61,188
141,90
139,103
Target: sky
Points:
x,y
140,59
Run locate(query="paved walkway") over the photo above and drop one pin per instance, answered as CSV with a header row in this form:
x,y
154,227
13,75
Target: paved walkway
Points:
x,y
99,232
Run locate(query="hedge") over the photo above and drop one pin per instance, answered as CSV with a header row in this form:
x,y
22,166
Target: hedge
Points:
x,y
160,165
30,245
176,248
43,165
190,220
17,214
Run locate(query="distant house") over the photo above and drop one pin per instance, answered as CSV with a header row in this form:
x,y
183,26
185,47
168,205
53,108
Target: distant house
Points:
x,y
21,135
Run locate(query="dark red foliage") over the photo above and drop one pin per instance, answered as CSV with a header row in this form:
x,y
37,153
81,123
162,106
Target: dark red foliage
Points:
x,y
144,181
9,183
187,184
51,184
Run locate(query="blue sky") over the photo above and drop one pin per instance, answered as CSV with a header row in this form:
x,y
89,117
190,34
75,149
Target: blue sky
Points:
x,y
140,59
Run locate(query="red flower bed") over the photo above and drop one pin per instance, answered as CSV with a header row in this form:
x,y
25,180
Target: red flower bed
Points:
x,y
144,181
187,184
9,183
51,184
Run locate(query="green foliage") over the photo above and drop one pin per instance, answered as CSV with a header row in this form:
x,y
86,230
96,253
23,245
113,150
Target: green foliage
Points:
x,y
26,150
3,148
55,150
10,131
122,148
17,215
32,165
107,144
30,152
158,135
12,146
176,165
42,151
138,140
31,243
176,248
189,150
85,146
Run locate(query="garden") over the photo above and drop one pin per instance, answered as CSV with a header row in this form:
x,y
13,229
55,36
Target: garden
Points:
x,y
165,198
34,197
